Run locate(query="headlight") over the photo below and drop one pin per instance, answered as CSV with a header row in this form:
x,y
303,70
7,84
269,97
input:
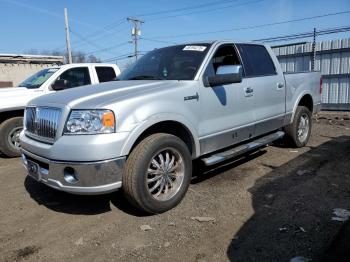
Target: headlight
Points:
x,y
88,122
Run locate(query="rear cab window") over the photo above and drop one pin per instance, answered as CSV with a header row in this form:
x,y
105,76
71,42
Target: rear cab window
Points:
x,y
105,73
256,60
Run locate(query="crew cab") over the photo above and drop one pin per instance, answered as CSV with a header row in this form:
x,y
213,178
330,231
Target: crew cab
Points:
x,y
209,100
13,100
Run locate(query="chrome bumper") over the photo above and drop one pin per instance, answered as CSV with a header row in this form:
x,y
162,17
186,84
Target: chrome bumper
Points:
x,y
85,178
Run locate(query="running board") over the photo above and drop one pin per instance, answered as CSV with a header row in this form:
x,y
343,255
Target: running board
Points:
x,y
222,156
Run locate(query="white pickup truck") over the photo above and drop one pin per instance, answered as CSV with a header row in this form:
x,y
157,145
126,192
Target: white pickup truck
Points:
x,y
13,100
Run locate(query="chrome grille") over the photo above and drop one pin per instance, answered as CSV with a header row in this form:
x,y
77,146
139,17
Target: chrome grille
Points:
x,y
42,122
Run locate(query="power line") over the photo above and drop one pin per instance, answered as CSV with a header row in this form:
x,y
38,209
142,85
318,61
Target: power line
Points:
x,y
98,34
84,39
327,31
206,11
107,48
186,8
49,13
128,55
121,21
158,41
255,26
267,40
120,57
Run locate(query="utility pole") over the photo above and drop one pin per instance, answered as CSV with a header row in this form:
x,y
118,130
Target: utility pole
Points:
x,y
135,32
69,51
313,51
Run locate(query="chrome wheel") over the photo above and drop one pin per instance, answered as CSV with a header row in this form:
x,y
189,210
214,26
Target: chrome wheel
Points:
x,y
303,127
13,137
165,174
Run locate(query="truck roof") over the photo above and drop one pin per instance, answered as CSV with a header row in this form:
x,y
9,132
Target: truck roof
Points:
x,y
210,42
83,64
222,41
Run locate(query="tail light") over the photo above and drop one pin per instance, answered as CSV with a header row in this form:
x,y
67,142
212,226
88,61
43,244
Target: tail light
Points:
x,y
321,81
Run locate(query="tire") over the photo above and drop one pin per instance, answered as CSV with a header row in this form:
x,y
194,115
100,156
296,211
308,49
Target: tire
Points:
x,y
297,133
9,136
142,175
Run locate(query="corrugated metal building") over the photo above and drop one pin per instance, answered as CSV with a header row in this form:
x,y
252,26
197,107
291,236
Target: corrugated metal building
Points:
x,y
16,68
332,59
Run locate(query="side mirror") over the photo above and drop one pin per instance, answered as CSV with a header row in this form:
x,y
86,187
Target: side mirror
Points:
x,y
227,74
60,84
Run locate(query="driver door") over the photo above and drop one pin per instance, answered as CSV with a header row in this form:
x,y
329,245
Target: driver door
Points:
x,y
227,111
77,76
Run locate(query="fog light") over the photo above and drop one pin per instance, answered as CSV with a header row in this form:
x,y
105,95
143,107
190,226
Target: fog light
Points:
x,y
69,175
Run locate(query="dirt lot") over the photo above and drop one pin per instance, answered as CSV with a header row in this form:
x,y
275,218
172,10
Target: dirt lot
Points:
x,y
273,205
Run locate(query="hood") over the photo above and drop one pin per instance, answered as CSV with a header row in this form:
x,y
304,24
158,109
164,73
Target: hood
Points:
x,y
101,95
17,91
17,97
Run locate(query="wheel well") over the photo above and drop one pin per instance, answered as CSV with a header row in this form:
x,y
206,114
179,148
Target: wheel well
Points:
x,y
169,127
9,114
306,101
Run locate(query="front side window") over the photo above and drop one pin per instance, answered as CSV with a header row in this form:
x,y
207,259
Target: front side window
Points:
x,y
179,62
78,76
224,55
105,73
36,80
256,60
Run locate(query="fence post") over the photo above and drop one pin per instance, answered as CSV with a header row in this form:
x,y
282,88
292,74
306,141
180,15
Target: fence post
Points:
x,y
313,52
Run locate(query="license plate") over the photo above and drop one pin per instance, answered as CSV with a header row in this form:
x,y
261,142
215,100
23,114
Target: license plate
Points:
x,y
33,170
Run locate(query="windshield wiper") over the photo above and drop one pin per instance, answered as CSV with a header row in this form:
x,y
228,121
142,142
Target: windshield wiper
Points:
x,y
32,86
145,77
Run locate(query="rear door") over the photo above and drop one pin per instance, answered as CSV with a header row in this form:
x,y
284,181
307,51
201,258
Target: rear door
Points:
x,y
77,76
266,84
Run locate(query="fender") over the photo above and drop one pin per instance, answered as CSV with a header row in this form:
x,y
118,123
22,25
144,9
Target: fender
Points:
x,y
300,96
154,119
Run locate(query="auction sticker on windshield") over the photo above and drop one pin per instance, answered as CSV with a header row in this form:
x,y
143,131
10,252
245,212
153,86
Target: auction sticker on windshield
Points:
x,y
198,48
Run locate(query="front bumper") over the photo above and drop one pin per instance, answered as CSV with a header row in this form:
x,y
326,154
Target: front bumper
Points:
x,y
85,178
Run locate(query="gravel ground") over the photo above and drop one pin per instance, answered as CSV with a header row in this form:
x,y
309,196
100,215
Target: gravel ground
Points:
x,y
273,205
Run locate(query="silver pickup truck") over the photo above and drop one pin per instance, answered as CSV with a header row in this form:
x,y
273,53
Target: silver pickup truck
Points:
x,y
207,100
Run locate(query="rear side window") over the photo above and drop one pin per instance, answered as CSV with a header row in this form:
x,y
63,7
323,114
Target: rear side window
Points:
x,y
256,60
105,73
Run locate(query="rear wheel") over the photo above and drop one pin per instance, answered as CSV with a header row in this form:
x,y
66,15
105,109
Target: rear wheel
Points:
x,y
298,132
157,173
9,136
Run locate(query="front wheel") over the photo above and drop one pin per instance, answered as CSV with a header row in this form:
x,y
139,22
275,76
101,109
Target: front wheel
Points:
x,y
298,132
157,173
9,136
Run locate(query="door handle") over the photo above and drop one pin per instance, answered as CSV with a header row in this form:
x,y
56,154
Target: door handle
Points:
x,y
248,91
280,85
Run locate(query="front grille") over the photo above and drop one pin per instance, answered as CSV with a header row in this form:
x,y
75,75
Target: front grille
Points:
x,y
42,122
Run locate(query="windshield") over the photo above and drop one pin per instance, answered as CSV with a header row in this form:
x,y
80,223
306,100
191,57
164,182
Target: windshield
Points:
x,y
179,62
39,78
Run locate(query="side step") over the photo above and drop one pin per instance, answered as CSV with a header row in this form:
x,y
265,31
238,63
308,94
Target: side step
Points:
x,y
233,152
